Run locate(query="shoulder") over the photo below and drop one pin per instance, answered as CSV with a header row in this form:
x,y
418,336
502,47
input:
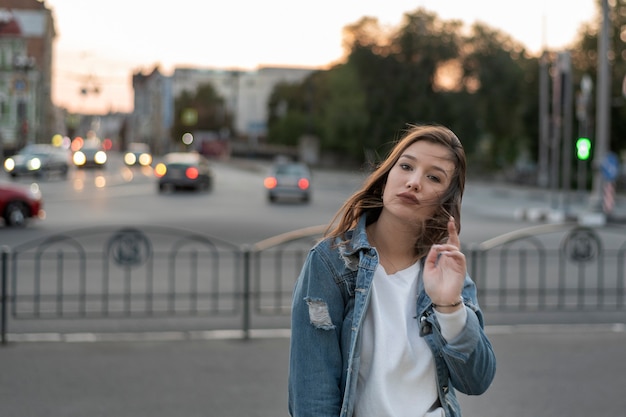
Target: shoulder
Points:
x,y
336,254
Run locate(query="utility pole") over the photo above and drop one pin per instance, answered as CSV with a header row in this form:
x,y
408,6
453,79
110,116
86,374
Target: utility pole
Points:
x,y
564,61
582,113
603,108
557,123
544,121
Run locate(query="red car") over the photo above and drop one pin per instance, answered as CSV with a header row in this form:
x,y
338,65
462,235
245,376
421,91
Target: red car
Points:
x,y
20,203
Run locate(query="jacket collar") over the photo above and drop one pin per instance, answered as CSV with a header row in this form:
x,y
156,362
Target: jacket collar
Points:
x,y
358,241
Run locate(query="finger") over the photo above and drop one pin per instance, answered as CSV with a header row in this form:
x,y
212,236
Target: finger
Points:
x,y
446,247
453,236
431,258
454,255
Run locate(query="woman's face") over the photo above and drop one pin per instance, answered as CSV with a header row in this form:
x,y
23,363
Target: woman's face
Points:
x,y
416,182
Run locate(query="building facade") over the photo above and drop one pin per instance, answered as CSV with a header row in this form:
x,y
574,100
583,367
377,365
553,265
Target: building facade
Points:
x,y
151,119
27,114
245,93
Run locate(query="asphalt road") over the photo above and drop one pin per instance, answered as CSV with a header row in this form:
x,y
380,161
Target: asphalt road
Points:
x,y
569,364
564,370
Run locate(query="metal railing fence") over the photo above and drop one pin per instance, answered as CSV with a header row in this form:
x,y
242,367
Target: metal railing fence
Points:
x,y
155,271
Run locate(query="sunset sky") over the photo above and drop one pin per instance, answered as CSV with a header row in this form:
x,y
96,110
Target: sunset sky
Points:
x,y
102,44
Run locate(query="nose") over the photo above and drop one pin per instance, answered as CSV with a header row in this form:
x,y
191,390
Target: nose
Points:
x,y
414,184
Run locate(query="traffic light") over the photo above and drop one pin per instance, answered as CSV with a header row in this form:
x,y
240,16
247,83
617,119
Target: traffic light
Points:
x,y
583,148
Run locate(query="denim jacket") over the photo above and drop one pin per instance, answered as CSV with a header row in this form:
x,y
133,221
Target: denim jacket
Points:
x,y
329,304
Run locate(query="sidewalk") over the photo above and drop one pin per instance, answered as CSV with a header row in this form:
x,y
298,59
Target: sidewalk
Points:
x,y
524,203
542,371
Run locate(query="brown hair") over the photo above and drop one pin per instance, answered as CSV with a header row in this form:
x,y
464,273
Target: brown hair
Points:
x,y
368,199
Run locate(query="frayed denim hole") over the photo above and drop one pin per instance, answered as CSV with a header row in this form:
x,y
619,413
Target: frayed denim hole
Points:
x,y
319,315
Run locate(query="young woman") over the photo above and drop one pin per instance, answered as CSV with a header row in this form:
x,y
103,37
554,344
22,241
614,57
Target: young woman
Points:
x,y
385,320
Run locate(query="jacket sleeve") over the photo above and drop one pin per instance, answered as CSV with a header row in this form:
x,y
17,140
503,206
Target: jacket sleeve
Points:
x,y
469,357
315,361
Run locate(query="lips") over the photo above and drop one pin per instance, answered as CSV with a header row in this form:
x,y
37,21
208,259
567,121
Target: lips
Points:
x,y
408,198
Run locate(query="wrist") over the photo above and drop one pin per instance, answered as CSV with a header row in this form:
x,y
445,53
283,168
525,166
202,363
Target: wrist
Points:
x,y
449,307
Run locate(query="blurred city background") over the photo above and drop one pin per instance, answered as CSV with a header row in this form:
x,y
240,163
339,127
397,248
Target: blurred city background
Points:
x,y
518,112
172,233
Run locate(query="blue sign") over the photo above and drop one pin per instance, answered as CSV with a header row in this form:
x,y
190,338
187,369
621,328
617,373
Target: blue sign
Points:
x,y
610,167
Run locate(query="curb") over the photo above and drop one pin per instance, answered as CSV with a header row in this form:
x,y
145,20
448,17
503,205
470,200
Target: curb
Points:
x,y
207,335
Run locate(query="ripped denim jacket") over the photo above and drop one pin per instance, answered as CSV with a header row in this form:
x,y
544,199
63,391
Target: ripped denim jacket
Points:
x,y
329,303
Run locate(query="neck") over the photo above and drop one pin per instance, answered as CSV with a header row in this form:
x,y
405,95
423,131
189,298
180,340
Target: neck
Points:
x,y
395,246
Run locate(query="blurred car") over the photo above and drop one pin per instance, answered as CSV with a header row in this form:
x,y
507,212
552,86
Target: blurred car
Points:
x,y
184,170
288,180
90,155
139,154
20,203
38,160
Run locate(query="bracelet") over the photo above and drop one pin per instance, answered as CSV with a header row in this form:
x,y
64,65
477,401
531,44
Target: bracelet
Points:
x,y
450,305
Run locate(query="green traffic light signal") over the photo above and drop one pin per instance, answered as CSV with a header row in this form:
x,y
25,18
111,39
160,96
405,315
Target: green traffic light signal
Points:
x,y
583,148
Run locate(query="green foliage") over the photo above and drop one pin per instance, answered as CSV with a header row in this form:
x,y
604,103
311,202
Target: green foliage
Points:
x,y
203,110
292,110
481,83
344,117
495,67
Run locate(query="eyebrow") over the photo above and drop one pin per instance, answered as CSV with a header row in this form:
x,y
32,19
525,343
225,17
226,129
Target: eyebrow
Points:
x,y
435,167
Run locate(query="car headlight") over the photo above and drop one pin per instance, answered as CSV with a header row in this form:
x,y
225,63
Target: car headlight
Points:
x,y
145,159
160,169
100,157
79,158
34,191
9,164
33,164
130,158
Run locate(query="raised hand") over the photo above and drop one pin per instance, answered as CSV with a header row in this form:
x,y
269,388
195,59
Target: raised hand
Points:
x,y
444,272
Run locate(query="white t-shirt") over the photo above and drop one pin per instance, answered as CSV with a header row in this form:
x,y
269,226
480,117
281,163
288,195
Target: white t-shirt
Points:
x,y
397,376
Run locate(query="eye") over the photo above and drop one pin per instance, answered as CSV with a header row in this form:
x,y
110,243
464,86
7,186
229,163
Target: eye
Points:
x,y
404,167
434,178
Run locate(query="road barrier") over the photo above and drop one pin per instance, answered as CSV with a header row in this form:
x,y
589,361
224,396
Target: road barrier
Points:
x,y
153,271
553,267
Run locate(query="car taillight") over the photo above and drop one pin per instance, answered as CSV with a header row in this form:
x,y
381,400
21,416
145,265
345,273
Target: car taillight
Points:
x,y
192,173
303,183
270,182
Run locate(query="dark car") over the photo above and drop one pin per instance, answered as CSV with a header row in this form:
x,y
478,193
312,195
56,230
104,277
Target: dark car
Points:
x,y
138,154
184,170
19,203
90,155
288,180
38,160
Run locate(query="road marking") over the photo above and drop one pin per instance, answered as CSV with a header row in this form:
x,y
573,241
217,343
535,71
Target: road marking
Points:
x,y
200,335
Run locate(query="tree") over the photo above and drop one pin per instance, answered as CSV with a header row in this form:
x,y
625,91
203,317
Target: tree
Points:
x,y
483,85
202,110
494,72
397,70
344,117
293,110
